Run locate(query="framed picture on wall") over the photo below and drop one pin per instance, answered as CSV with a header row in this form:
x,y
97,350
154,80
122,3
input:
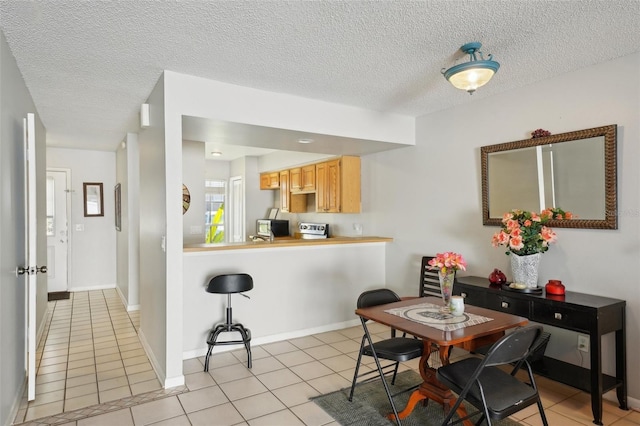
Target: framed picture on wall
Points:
x,y
118,207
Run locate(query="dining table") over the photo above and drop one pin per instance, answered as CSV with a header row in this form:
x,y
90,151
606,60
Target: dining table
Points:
x,y
426,318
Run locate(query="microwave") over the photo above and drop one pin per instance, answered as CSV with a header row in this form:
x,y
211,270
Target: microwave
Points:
x,y
279,228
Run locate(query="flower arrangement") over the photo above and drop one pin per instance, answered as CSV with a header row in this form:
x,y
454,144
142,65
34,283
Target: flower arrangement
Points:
x,y
524,233
448,262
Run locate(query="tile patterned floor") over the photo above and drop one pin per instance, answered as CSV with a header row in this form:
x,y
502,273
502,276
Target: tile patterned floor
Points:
x,y
93,371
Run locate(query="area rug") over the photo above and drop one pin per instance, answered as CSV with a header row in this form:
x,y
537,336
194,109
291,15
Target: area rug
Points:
x,y
370,405
58,295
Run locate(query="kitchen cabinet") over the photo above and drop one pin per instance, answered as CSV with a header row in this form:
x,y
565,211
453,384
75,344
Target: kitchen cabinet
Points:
x,y
303,179
289,202
338,185
270,180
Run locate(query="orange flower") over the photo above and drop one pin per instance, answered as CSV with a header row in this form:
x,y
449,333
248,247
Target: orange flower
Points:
x,y
515,243
524,232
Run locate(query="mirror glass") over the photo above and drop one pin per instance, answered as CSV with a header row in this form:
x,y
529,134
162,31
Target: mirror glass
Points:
x,y
574,171
93,199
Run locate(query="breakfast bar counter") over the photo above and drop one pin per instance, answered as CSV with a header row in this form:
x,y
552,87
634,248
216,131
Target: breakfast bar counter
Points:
x,y
284,242
301,286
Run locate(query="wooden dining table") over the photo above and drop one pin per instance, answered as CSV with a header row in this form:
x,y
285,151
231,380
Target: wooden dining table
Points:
x,y
469,337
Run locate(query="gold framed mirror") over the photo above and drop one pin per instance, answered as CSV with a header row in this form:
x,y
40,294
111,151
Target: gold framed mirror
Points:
x,y
93,199
575,171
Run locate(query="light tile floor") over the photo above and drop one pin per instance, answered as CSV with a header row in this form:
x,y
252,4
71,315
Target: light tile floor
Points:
x,y
93,371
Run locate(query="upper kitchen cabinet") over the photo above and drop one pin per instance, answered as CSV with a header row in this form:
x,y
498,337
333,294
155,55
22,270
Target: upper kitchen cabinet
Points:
x,y
338,186
270,180
290,203
303,179
335,183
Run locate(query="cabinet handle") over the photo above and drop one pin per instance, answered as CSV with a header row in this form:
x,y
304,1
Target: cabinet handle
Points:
x,y
557,315
464,295
505,304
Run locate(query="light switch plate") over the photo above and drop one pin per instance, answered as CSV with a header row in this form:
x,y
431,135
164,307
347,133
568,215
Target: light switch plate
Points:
x,y
79,227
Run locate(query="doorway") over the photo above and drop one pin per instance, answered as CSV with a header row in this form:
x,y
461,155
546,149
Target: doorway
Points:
x,y
58,247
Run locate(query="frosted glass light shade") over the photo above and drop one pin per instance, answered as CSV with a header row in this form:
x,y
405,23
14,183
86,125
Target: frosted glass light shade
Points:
x,y
476,73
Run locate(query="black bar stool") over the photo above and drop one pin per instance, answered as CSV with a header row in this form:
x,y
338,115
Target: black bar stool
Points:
x,y
228,284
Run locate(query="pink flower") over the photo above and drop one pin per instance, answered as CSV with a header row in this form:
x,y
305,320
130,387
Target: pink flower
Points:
x,y
548,236
524,232
448,261
516,243
512,224
500,239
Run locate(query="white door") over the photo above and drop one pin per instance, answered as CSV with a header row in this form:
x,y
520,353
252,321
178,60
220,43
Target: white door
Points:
x,y
57,230
236,210
30,270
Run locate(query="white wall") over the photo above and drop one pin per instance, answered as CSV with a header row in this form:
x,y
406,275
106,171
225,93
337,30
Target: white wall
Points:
x,y
428,197
127,239
188,95
15,103
296,289
155,318
92,263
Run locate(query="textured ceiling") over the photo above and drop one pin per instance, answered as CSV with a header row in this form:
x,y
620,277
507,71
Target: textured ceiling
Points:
x,y
90,64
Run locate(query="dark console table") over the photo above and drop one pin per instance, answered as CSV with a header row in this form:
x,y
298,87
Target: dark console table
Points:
x,y
584,313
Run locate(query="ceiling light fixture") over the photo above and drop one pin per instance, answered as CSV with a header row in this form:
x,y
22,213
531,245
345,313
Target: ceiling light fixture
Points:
x,y
216,153
473,74
305,140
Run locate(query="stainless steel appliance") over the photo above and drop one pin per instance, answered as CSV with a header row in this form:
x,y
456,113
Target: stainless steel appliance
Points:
x,y
310,231
276,227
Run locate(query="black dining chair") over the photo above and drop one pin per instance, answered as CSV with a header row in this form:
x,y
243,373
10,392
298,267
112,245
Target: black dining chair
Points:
x,y
229,284
429,281
395,349
495,392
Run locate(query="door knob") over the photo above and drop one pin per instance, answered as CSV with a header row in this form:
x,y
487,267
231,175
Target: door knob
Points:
x,y
21,270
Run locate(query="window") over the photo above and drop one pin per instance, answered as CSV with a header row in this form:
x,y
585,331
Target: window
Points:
x,y
214,197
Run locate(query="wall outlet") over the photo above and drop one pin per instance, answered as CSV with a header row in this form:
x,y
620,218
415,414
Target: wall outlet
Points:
x,y
583,343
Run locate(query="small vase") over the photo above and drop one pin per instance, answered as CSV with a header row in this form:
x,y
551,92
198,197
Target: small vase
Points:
x,y
525,269
446,287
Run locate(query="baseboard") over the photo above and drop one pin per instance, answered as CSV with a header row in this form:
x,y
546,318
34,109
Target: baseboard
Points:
x,y
632,403
195,353
15,406
93,287
167,382
125,302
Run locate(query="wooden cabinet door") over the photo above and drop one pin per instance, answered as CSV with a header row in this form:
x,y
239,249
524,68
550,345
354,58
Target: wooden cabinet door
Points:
x,y
328,187
284,191
321,187
309,178
333,187
270,180
295,179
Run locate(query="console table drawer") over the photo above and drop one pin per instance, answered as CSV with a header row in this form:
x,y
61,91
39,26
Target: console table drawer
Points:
x,y
471,296
508,304
561,317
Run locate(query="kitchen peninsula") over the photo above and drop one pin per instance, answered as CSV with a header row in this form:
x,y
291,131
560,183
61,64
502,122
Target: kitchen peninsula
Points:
x,y
288,241
301,287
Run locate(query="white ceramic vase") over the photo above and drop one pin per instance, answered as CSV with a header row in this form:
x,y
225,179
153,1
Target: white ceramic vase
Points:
x,y
525,269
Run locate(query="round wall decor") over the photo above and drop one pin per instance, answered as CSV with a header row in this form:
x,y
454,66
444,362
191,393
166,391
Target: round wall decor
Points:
x,y
186,199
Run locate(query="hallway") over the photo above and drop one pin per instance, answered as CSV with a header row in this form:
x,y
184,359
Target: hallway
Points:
x,y
90,354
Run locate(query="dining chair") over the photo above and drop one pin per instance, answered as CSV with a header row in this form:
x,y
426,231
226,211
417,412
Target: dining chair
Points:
x,y
394,349
495,392
429,281
229,284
